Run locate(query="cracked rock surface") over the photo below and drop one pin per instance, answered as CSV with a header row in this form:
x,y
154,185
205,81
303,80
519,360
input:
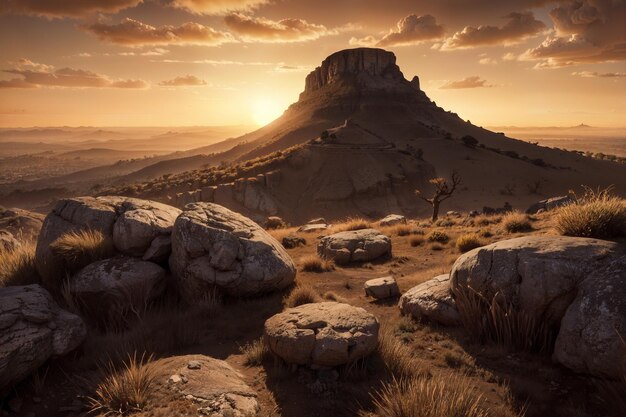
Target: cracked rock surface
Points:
x,y
324,334
216,247
33,328
354,246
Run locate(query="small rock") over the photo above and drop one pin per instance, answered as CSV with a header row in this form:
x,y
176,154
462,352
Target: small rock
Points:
x,y
292,241
381,288
194,365
392,220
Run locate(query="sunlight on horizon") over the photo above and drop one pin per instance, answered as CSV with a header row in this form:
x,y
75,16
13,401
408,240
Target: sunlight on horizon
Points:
x,y
265,110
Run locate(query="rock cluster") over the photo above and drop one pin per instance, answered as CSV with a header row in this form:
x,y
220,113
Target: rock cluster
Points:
x,y
354,246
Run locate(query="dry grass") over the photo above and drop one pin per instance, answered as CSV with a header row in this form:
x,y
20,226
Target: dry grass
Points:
x,y
302,294
516,222
488,321
438,236
255,352
486,220
279,234
333,296
596,214
416,241
126,390
17,267
314,263
397,356
80,248
468,242
352,223
403,230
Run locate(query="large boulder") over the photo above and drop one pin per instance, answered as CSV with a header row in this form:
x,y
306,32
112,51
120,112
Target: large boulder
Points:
x,y
593,330
133,226
538,274
108,289
33,328
22,224
215,247
324,334
354,246
213,387
432,300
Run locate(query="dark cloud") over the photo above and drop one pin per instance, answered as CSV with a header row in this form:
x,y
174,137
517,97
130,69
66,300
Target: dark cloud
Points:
x,y
186,80
64,8
259,29
410,30
216,6
132,32
469,82
519,27
34,75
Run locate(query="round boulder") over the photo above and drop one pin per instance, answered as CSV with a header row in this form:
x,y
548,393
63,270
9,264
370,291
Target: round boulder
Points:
x,y
215,247
433,300
324,334
33,328
139,228
354,246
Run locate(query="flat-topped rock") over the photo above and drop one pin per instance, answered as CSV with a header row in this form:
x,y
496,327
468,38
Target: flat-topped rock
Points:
x,y
354,246
381,288
215,247
324,334
313,227
432,300
392,220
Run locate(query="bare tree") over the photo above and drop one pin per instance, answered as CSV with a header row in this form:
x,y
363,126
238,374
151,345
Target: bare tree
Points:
x,y
443,191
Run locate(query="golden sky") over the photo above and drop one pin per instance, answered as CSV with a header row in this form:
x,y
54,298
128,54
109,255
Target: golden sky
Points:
x,y
222,62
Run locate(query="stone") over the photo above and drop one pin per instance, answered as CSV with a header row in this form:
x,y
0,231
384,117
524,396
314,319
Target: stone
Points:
x,y
24,225
550,204
211,384
381,288
432,300
131,224
314,227
322,334
107,290
33,328
538,274
292,241
215,247
392,220
318,220
354,246
275,222
592,331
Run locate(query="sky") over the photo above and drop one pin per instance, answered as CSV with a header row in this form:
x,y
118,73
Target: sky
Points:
x,y
227,62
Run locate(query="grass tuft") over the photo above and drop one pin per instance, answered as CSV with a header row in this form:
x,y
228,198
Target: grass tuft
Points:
x,y
17,266
81,248
314,263
516,222
438,236
468,242
352,223
255,352
302,294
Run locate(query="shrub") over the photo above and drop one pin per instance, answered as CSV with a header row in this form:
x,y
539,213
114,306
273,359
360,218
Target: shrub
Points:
x,y
254,352
416,241
469,141
352,223
80,248
127,390
313,263
596,214
405,230
516,222
438,236
333,296
436,246
468,242
302,294
17,266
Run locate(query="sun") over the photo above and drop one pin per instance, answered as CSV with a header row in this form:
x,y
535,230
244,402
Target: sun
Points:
x,y
265,111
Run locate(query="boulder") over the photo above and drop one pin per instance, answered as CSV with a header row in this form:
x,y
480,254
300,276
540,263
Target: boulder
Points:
x,y
592,332
322,334
214,387
313,227
33,328
318,220
275,222
133,225
110,288
22,224
354,246
538,274
215,247
291,241
549,204
380,288
392,220
432,300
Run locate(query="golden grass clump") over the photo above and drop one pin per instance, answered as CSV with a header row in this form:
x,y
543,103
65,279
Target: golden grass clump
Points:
x,y
17,266
314,263
78,249
397,356
597,213
352,223
468,242
126,390
302,294
516,222
438,236
254,352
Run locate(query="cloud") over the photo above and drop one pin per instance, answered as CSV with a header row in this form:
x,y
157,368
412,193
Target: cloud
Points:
x,y
260,29
215,62
410,30
590,74
185,80
33,75
292,68
469,82
217,6
131,32
519,27
557,52
488,61
64,8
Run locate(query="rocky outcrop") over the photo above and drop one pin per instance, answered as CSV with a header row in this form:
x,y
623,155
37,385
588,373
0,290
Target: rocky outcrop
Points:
x,y
431,300
215,247
138,228
33,328
215,388
354,246
592,332
324,334
24,225
550,204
